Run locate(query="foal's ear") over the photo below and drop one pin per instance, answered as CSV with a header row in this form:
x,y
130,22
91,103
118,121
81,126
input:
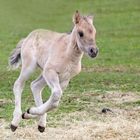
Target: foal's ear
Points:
x,y
90,18
76,17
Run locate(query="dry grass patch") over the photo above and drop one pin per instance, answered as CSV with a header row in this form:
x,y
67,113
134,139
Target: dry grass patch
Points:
x,y
122,124
118,97
4,101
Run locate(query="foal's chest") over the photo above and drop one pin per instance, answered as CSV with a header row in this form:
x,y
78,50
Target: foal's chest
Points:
x,y
69,71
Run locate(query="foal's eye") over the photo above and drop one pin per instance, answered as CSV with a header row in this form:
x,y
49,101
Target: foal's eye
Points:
x,y
81,34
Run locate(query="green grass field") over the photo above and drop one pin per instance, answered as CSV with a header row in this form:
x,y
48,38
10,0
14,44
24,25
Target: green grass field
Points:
x,y
117,68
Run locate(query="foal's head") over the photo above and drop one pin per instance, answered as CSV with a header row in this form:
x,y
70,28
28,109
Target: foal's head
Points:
x,y
85,34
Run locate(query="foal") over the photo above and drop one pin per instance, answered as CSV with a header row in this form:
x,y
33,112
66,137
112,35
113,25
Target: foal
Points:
x,y
59,56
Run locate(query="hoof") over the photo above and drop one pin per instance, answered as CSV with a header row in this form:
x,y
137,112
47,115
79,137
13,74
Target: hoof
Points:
x,y
23,116
13,128
28,111
41,128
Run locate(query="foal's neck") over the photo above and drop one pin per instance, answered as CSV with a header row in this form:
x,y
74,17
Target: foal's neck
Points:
x,y
73,50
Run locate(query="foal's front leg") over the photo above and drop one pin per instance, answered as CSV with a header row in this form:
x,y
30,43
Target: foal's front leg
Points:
x,y
52,80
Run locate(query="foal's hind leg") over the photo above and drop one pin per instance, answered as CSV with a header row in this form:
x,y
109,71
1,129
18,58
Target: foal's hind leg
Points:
x,y
28,67
37,86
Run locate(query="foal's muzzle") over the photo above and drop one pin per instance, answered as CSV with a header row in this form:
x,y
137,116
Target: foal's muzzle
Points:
x,y
92,52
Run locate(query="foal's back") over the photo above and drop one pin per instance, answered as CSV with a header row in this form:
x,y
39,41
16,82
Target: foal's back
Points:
x,y
44,45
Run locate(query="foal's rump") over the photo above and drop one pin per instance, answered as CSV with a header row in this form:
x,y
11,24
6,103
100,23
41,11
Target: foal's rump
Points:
x,y
37,46
15,56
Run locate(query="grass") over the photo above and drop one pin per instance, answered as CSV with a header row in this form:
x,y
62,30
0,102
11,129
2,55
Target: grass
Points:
x,y
117,67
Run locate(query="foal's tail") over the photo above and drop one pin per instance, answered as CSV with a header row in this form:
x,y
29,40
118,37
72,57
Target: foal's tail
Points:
x,y
15,56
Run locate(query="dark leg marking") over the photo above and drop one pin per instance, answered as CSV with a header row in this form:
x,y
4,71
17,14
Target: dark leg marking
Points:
x,y
28,110
13,128
41,128
23,116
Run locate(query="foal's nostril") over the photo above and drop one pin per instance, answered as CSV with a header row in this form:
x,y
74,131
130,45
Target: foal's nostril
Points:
x,y
91,50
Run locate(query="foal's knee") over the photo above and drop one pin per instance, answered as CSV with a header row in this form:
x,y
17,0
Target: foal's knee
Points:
x,y
34,87
55,98
56,95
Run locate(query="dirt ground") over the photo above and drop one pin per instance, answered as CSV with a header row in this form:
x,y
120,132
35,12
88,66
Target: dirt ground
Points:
x,y
121,124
